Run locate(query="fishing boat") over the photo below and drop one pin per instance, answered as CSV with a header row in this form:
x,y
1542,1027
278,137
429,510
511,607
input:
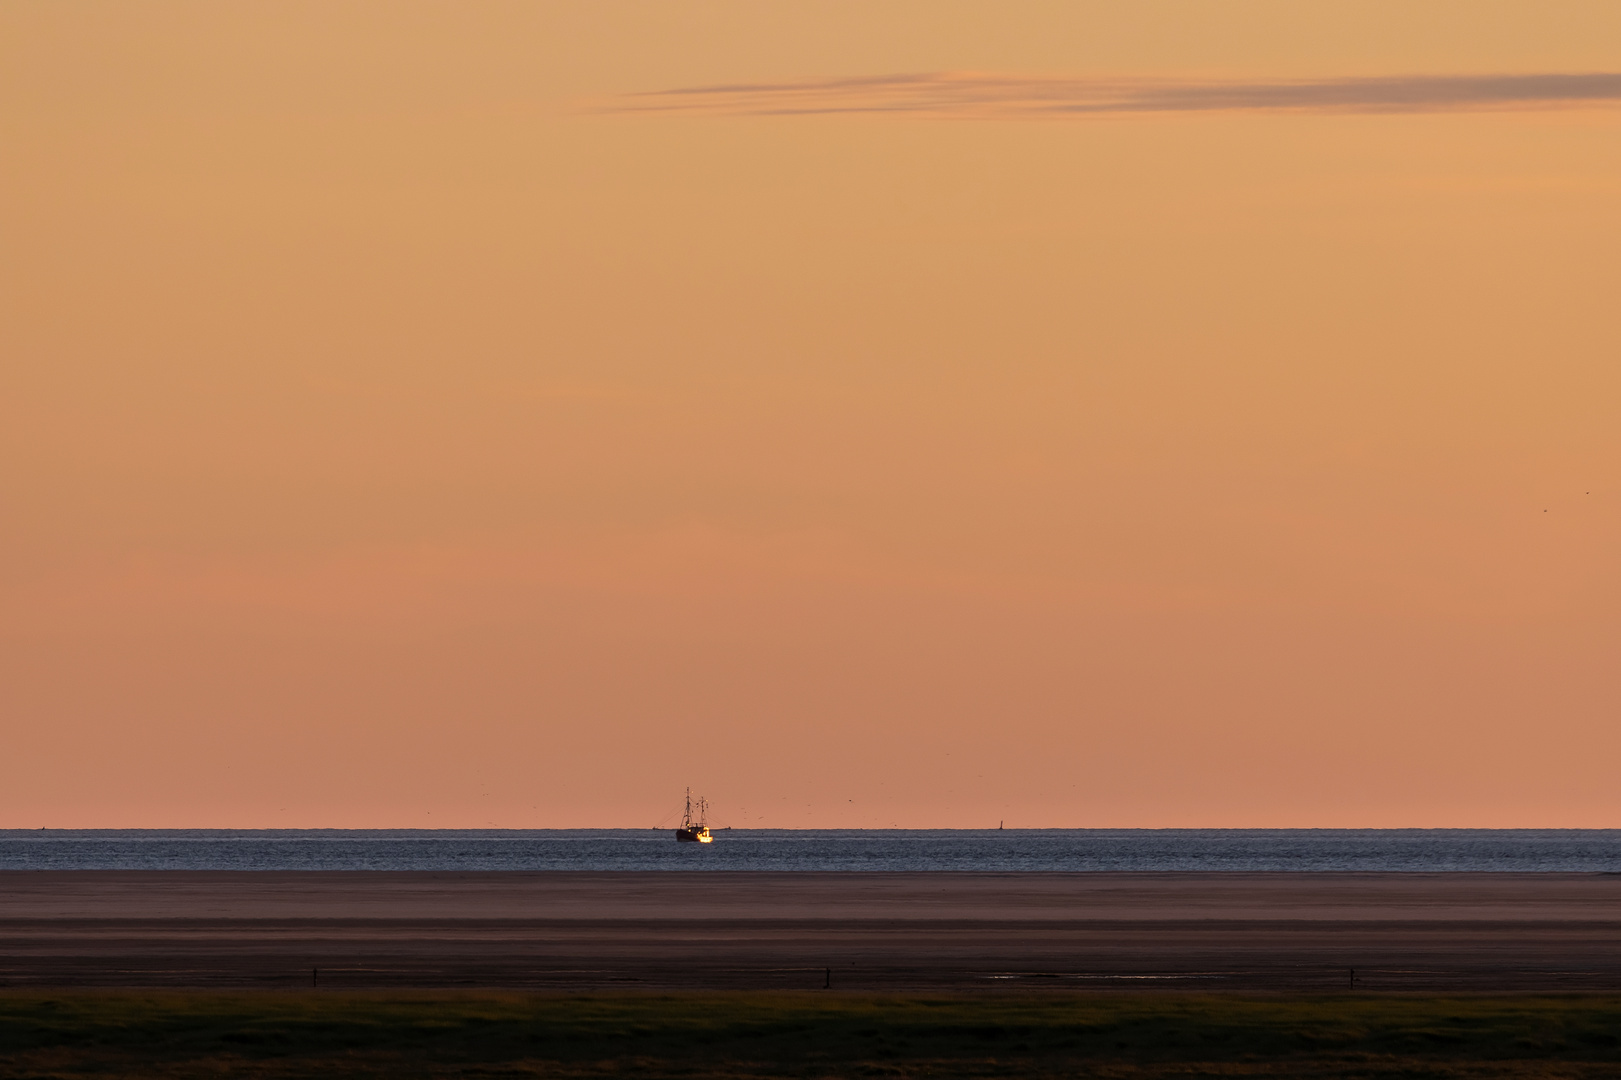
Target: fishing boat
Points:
x,y
695,826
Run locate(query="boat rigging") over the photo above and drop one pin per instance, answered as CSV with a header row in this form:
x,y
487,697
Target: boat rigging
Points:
x,y
695,826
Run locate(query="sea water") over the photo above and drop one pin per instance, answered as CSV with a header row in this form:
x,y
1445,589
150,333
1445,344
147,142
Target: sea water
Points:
x,y
994,850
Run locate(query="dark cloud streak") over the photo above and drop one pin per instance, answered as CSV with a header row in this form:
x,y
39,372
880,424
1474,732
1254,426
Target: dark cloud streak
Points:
x,y
1003,96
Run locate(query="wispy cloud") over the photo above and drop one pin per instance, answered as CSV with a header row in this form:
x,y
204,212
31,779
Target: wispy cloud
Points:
x,y
988,96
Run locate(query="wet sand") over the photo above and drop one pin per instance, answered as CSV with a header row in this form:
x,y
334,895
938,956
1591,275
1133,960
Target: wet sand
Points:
x,y
861,931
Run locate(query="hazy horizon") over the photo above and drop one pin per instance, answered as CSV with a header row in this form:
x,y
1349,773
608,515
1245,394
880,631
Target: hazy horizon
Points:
x,y
801,828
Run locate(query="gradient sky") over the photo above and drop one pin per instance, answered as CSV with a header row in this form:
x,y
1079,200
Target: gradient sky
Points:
x,y
403,424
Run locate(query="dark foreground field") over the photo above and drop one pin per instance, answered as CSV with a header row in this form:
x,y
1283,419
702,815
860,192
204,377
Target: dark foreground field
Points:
x,y
346,1034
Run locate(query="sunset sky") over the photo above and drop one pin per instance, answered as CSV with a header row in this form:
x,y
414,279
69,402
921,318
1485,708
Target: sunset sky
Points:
x,y
1114,413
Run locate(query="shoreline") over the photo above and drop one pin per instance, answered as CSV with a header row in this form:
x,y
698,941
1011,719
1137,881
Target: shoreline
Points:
x,y
862,930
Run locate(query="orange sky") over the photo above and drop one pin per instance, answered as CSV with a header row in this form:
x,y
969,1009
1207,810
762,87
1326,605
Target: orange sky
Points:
x,y
400,425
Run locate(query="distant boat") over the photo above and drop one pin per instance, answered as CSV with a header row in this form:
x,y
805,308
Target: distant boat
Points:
x,y
695,828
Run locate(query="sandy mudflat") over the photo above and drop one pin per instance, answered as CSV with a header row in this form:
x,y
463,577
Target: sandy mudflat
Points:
x,y
874,930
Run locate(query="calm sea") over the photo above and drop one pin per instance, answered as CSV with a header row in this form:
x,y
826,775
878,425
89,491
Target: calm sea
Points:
x,y
1503,850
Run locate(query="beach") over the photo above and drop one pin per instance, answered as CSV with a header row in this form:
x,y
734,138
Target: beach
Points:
x,y
799,931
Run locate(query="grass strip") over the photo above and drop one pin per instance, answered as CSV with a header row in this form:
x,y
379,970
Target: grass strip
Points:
x,y
425,1034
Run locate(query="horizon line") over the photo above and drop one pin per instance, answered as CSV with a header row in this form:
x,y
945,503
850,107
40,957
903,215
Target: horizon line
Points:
x,y
820,829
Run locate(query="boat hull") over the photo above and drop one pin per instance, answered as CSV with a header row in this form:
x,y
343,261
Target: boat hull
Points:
x,y
698,834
